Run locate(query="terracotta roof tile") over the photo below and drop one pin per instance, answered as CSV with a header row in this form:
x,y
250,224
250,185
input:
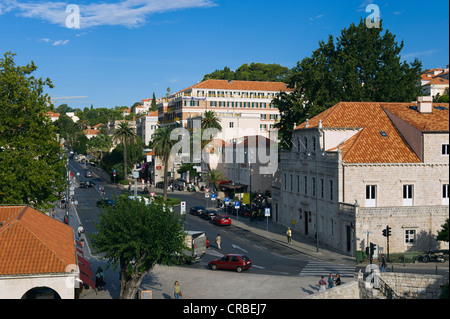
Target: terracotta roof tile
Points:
x,y
369,119
33,243
241,85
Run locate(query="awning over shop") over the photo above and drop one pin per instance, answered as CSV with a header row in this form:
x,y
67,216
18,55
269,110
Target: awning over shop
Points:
x,y
85,272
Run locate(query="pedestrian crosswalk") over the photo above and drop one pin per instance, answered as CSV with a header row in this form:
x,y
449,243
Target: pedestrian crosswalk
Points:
x,y
322,268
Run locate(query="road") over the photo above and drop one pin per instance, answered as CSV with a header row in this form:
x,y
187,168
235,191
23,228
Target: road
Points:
x,y
268,257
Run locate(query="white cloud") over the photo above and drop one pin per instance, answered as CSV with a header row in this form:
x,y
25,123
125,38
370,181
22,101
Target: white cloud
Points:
x,y
128,13
316,17
60,42
419,54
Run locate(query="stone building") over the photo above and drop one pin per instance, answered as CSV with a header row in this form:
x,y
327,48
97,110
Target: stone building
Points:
x,y
358,167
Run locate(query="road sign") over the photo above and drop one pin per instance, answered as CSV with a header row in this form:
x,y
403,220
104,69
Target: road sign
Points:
x,y
213,196
114,172
206,195
183,208
152,194
227,200
267,212
236,204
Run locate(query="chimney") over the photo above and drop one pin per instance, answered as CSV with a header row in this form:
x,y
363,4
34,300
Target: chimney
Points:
x,y
425,104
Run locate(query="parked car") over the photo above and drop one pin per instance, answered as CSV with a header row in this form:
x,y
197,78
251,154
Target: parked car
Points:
x,y
105,202
209,214
159,185
222,220
87,184
236,262
197,210
88,174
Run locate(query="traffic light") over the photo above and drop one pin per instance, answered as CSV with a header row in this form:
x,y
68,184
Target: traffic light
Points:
x,y
372,249
387,231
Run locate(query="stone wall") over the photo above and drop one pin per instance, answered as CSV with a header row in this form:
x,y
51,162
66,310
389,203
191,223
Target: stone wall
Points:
x,y
346,291
414,286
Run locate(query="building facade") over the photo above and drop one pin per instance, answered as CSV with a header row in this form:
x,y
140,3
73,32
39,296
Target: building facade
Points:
x,y
358,167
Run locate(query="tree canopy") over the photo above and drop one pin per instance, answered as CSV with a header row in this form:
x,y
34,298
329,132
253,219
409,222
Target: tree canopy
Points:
x,y
253,72
30,164
135,237
362,64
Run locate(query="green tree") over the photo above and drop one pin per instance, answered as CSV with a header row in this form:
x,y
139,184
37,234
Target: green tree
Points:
x,y
253,72
134,238
363,64
214,177
154,106
443,233
162,145
30,164
125,134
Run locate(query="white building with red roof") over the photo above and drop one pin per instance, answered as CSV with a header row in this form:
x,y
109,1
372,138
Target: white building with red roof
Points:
x,y
359,166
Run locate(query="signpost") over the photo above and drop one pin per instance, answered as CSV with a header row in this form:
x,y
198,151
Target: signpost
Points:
x,y
267,214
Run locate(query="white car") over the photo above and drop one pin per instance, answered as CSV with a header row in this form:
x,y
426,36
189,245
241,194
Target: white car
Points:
x,y
140,198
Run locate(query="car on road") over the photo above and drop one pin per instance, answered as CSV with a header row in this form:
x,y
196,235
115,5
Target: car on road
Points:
x,y
209,214
237,262
197,210
106,202
87,184
222,220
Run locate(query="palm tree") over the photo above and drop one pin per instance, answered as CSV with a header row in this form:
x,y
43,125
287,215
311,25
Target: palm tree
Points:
x,y
214,177
125,134
162,145
209,120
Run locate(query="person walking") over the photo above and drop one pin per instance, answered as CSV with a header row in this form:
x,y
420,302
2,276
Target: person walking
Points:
x,y
323,285
289,235
383,263
177,290
99,278
53,213
330,281
218,240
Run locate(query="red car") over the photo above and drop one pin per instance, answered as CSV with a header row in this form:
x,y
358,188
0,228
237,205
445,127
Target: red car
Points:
x,y
222,220
236,262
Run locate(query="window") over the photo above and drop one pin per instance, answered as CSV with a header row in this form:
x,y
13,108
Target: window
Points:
x,y
291,182
331,190
230,104
231,124
305,181
263,105
298,184
371,195
213,103
444,149
313,186
445,194
254,104
246,104
410,236
285,178
263,127
314,143
408,195
322,184
305,139
263,116
238,104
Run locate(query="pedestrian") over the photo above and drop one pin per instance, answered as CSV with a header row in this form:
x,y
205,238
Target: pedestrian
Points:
x,y
103,190
53,213
323,285
218,239
383,263
337,281
289,236
99,278
177,290
80,230
330,281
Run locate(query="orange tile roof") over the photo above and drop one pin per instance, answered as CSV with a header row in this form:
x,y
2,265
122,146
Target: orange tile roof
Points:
x,y
33,243
370,118
436,81
241,85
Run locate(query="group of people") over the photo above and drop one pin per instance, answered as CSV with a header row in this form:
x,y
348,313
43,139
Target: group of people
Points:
x,y
330,282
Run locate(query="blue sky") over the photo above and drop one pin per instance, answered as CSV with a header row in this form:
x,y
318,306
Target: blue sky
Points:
x,y
125,50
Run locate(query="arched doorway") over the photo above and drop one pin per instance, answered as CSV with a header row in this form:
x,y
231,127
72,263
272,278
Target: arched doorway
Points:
x,y
41,293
